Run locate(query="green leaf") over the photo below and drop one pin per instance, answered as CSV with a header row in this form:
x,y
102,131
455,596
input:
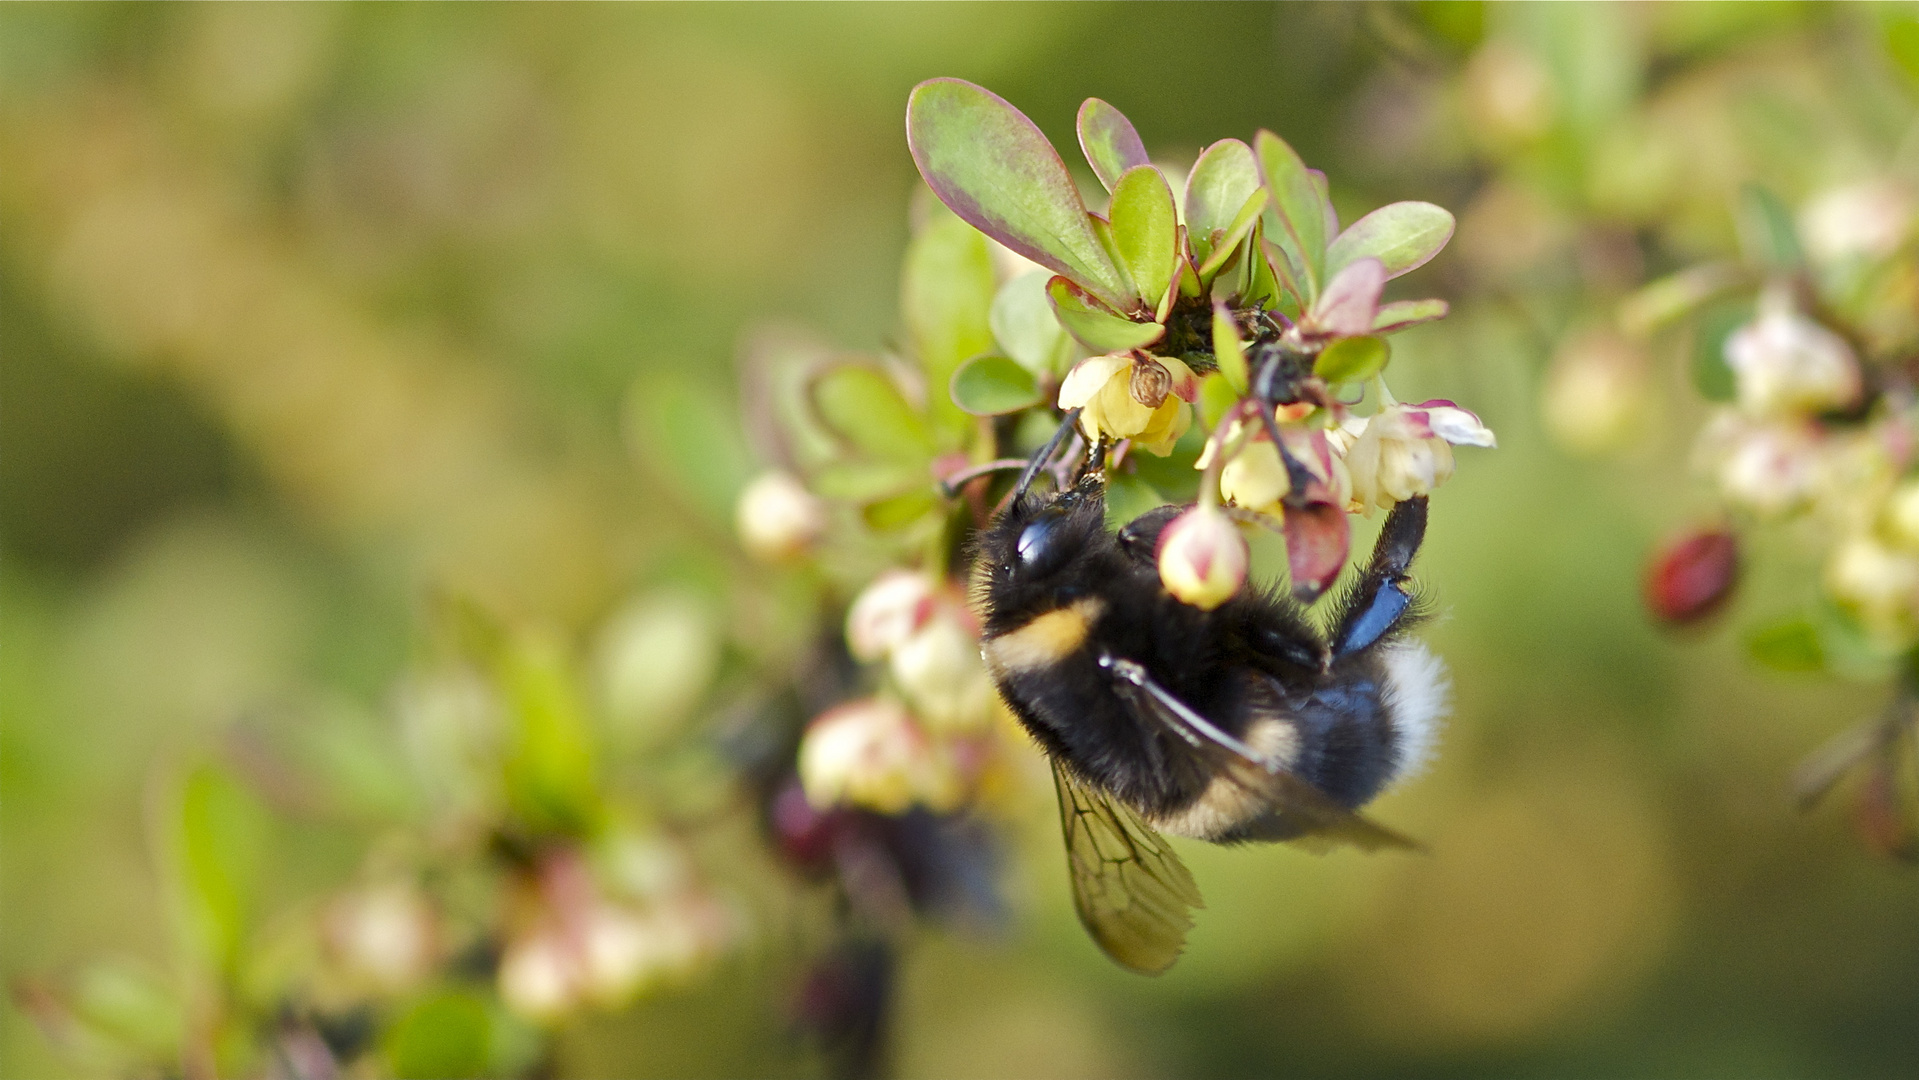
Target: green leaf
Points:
x,y
946,295
1146,230
992,386
130,1004
865,480
223,838
899,511
1127,497
1223,178
1403,235
1103,232
1902,42
1173,476
1298,212
1109,142
1216,396
1677,295
1352,359
1235,232
990,165
1789,646
1400,314
1025,328
861,404
686,431
1711,375
550,763
447,1035
1099,327
1771,239
1227,350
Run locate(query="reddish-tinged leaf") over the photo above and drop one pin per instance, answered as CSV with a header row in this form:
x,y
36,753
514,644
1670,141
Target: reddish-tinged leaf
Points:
x,y
1109,142
1351,301
1400,314
990,165
1317,538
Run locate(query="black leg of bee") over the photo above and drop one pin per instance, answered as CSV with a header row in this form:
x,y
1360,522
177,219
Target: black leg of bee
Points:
x,y
1046,453
1381,597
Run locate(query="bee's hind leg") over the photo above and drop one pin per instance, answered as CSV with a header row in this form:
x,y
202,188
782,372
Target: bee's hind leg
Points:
x,y
1380,599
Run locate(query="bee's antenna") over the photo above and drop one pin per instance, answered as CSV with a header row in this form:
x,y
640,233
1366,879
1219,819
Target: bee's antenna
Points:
x,y
1046,453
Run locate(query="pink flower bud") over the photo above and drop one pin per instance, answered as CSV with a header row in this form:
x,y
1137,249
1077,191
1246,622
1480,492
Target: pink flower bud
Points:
x,y
872,753
890,610
1203,558
1689,578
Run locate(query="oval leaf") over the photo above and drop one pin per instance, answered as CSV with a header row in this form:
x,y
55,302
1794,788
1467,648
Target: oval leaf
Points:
x,y
1298,212
1228,353
1403,236
990,165
1400,314
1024,326
1223,178
1216,396
1351,301
1109,141
1234,232
1352,359
1097,326
992,386
861,404
1146,231
1791,646
946,293
900,510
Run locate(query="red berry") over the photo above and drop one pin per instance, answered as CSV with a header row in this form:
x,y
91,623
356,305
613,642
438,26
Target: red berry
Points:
x,y
1690,577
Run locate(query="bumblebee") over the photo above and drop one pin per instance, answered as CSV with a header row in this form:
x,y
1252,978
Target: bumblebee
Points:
x,y
1244,723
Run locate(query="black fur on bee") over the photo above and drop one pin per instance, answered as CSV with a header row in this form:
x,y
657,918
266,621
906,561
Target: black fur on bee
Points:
x,y
1100,664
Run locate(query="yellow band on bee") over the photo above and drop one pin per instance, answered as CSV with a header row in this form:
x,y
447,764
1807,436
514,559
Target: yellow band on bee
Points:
x,y
1044,641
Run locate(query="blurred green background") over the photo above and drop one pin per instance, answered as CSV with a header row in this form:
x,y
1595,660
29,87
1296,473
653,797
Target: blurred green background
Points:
x,y
309,313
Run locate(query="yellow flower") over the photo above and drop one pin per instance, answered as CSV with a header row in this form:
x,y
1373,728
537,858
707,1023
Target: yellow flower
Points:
x,y
1406,450
1256,478
1132,396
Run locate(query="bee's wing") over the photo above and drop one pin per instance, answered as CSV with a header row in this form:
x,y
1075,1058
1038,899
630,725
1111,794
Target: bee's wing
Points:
x,y
1324,822
1133,894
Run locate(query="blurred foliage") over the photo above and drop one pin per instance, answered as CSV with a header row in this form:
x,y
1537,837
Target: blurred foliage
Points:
x,y
379,383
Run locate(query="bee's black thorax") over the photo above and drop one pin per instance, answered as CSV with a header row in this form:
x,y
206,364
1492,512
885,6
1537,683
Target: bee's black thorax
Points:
x,y
1056,592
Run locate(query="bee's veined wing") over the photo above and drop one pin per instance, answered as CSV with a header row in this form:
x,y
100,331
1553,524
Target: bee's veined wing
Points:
x,y
1132,893
1324,823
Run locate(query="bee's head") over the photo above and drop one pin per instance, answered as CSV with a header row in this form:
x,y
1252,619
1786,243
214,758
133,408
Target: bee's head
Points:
x,y
1034,551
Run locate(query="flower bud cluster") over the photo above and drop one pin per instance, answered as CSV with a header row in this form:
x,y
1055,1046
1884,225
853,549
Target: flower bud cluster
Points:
x,y
570,943
921,744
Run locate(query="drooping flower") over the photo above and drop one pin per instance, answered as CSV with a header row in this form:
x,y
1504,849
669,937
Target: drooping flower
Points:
x,y
887,612
931,646
1784,363
1256,478
872,753
1406,450
777,517
1203,558
1871,218
1770,469
1132,395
